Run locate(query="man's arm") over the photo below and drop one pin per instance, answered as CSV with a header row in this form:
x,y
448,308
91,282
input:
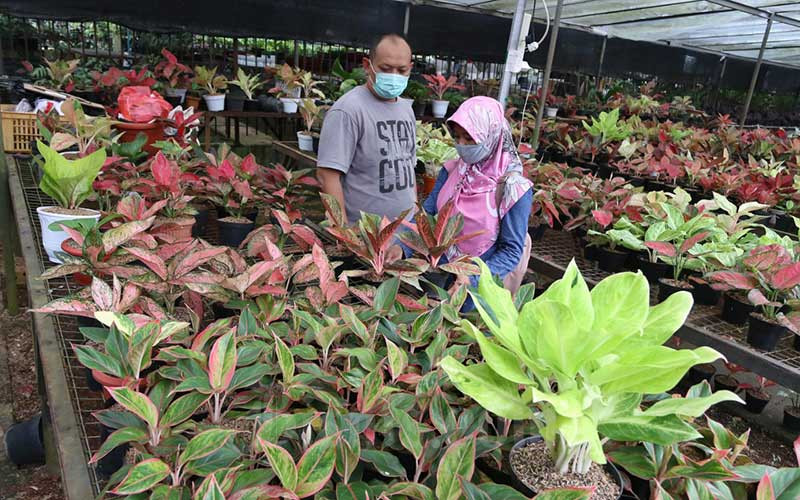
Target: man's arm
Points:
x,y
331,181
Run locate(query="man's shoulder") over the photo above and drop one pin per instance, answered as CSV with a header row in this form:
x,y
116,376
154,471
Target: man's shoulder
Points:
x,y
352,101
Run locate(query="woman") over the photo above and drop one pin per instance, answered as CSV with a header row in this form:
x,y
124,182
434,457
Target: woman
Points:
x,y
489,191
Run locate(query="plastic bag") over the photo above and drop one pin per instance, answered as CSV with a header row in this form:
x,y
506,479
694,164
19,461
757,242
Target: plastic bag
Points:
x,y
142,105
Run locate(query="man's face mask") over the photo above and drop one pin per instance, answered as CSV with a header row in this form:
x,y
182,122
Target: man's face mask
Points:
x,y
389,85
472,153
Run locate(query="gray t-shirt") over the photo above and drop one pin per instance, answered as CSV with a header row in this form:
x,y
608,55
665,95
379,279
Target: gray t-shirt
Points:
x,y
373,143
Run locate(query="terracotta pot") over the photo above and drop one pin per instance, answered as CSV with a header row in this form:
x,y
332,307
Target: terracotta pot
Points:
x,y
153,131
427,184
192,101
175,229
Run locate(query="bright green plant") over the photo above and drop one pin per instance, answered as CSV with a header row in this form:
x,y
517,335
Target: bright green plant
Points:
x,y
605,130
584,360
248,83
434,147
209,80
69,182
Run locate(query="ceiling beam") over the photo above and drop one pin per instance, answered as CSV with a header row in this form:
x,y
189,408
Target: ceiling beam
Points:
x,y
757,12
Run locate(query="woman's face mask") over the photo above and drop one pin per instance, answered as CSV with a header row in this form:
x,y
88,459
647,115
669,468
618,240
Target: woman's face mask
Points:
x,y
472,153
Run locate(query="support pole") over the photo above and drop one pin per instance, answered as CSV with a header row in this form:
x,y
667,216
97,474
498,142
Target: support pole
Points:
x,y
9,239
551,52
719,83
756,70
602,57
235,57
407,19
513,44
296,55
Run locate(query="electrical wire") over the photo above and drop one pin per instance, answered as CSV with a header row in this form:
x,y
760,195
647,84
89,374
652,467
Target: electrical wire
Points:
x,y
530,79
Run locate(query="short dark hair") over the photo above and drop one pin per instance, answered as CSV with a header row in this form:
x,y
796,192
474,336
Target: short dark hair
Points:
x,y
393,36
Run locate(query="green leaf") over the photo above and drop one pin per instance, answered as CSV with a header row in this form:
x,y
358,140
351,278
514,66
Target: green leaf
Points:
x,y
457,462
566,494
410,432
205,443
441,414
690,407
316,467
552,335
142,477
487,388
386,294
621,304
385,463
66,181
398,359
137,403
209,490
285,360
352,491
497,309
249,375
96,360
666,318
273,428
658,430
711,470
501,492
282,463
786,482
409,490
222,362
119,437
502,361
635,460
349,316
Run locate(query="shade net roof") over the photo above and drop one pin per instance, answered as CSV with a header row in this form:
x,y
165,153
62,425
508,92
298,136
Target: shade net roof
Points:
x,y
734,28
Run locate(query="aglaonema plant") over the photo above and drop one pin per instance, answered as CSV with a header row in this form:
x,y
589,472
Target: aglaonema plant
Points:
x,y
584,361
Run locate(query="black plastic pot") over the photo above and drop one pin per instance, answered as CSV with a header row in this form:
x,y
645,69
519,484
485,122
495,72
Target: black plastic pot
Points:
x,y
84,322
755,402
735,310
269,104
200,222
221,311
175,100
115,459
764,334
232,234
785,223
23,442
251,214
234,102
519,486
725,383
419,109
315,142
536,232
604,170
653,271
796,342
698,373
791,418
635,181
703,293
667,287
438,278
251,105
589,252
612,261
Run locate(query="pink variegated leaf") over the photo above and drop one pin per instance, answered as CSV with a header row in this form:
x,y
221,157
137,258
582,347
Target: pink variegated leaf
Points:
x,y
757,298
796,446
787,277
765,489
258,290
195,259
304,237
102,294
68,306
409,303
222,362
603,217
151,260
364,293
130,294
125,232
691,242
661,247
733,280
766,256
253,274
315,297
283,220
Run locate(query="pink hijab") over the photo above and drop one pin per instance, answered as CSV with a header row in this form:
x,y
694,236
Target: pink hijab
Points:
x,y
473,187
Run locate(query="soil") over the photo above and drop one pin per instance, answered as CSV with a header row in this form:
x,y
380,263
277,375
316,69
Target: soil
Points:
x,y
69,211
765,319
20,400
535,469
761,447
235,220
677,284
758,394
793,411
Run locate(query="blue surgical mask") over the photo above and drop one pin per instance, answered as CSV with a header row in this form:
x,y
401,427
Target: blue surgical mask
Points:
x,y
389,85
472,153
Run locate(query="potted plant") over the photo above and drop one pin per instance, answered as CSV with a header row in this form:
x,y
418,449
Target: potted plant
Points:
x,y
728,381
248,85
769,276
69,183
791,412
57,75
213,84
311,112
175,77
438,85
228,187
604,131
433,150
756,395
417,92
288,88
578,364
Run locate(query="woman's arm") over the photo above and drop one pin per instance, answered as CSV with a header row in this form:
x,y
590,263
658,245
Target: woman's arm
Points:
x,y
430,202
511,240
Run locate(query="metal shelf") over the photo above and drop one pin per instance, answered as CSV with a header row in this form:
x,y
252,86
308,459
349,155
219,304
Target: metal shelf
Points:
x,y
551,255
69,399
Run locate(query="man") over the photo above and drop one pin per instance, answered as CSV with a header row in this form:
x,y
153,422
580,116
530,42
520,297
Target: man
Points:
x,y
367,148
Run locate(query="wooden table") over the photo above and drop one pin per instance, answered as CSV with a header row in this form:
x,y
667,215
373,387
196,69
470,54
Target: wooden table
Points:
x,y
290,150
273,120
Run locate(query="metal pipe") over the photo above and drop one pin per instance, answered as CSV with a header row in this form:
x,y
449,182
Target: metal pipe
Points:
x,y
513,43
407,19
757,68
602,57
551,52
719,83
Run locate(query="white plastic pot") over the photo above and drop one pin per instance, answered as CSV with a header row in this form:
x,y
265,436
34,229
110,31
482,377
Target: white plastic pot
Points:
x,y
440,108
289,104
215,102
177,93
52,239
305,142
551,112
